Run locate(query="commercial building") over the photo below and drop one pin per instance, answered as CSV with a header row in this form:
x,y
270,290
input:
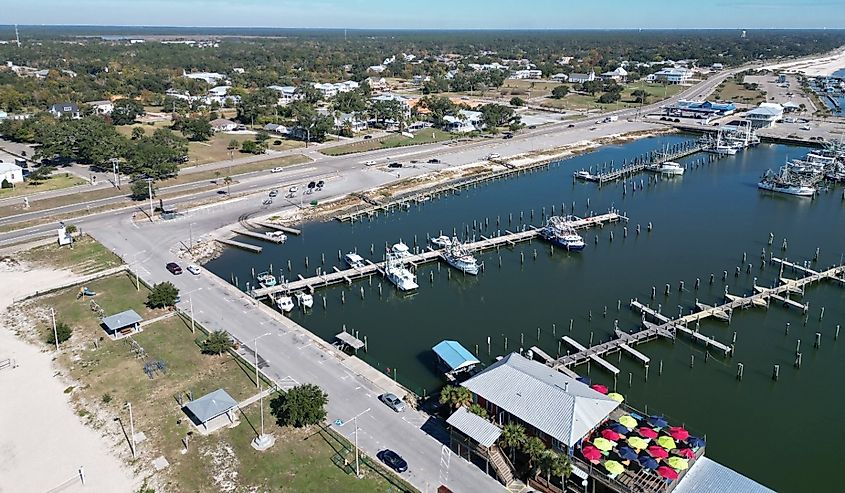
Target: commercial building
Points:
x,y
581,78
526,74
677,75
699,109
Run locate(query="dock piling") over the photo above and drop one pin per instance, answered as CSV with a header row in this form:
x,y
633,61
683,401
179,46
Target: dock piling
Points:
x,y
818,342
776,372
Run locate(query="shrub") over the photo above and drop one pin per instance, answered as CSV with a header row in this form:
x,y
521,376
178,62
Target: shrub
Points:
x,y
63,331
300,406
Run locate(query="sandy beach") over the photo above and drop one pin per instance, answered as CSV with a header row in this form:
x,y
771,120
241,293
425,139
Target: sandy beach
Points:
x,y
822,66
43,443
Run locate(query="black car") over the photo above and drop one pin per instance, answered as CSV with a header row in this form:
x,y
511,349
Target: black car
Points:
x,y
508,136
571,125
320,184
368,137
433,161
174,268
393,460
394,165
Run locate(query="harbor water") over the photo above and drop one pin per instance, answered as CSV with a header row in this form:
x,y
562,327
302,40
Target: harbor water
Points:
x,y
705,222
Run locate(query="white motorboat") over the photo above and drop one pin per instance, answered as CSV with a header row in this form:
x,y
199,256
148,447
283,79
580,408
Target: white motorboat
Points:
x,y
670,168
277,235
778,186
401,250
354,260
284,303
398,274
441,241
265,279
304,299
458,257
583,174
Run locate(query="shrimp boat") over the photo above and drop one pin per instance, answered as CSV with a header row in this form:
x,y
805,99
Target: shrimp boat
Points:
x,y
560,233
441,241
283,302
265,279
783,183
458,257
304,299
398,274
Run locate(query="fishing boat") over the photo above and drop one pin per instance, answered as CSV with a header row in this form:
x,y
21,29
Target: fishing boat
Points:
x,y
717,145
354,260
561,233
441,241
400,250
265,279
670,168
784,182
304,299
283,302
583,175
398,274
458,257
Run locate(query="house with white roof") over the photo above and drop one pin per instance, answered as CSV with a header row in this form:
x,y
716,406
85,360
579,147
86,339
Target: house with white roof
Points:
x,y
377,83
576,78
560,77
466,121
10,172
223,125
104,107
619,75
287,94
210,78
526,74
332,90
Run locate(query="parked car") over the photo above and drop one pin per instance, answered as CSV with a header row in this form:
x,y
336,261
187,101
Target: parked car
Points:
x,y
320,184
394,165
368,137
392,402
275,170
494,155
194,269
805,127
174,268
274,193
393,460
571,125
293,189
434,161
507,136
532,127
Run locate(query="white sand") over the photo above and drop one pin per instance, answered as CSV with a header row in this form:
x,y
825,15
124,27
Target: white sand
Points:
x,y
825,65
42,441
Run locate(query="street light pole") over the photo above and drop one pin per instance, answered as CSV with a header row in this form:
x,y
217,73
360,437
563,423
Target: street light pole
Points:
x,y
255,347
191,301
131,428
150,189
355,422
55,331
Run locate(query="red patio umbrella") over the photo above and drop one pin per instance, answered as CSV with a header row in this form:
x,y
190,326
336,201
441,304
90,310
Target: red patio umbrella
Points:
x,y
611,435
667,472
657,452
591,453
599,388
686,453
678,433
647,432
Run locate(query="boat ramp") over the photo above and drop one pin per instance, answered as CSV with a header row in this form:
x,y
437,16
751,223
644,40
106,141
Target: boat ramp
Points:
x,y
371,268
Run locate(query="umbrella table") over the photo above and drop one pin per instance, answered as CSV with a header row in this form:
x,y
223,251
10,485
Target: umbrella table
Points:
x,y
695,442
666,442
648,462
678,463
686,453
628,422
618,428
637,443
627,453
591,453
613,467
678,433
657,421
599,388
603,444
647,432
610,435
616,396
667,472
658,452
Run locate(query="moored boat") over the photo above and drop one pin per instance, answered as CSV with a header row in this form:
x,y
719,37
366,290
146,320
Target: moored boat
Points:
x,y
458,257
265,279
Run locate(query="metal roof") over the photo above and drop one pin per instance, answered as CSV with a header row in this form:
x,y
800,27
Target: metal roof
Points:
x,y
211,405
454,355
121,320
708,476
542,397
475,427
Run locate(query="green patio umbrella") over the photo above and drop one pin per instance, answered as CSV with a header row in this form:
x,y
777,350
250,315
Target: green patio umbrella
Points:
x,y
637,442
628,422
614,467
678,463
666,442
603,444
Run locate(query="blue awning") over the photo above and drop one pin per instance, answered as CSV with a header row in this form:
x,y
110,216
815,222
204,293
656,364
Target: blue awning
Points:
x,y
454,355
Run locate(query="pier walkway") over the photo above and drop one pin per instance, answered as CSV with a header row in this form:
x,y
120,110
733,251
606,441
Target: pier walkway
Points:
x,y
637,167
351,274
668,327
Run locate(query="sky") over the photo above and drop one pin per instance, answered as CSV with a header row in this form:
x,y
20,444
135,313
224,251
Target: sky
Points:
x,y
434,14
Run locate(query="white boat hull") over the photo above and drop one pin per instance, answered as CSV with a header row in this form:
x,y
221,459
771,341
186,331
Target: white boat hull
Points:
x,y
798,190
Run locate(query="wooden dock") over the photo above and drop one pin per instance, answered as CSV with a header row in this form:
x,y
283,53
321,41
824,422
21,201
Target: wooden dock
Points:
x,y
667,327
372,268
258,236
279,227
593,357
239,244
637,167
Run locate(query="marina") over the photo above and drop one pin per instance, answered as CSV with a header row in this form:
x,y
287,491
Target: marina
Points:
x,y
519,304
649,162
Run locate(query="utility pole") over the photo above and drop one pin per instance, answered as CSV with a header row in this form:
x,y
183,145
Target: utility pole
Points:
x,y
255,347
191,301
131,429
355,423
150,189
115,169
55,331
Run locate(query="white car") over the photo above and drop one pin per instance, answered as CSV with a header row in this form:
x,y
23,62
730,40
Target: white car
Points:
x,y
369,163
276,170
805,127
193,269
293,189
494,155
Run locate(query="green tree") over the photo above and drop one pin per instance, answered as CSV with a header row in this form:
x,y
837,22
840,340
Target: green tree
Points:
x,y
251,147
513,437
217,342
496,115
300,406
440,107
609,97
233,144
560,92
555,464
261,136
195,129
227,180
126,111
517,101
163,294
478,410
63,331
137,133
455,396
141,190
534,448
640,95
41,174
349,102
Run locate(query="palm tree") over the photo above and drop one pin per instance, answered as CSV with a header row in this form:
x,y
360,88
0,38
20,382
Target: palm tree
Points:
x,y
555,464
455,396
535,449
227,181
513,437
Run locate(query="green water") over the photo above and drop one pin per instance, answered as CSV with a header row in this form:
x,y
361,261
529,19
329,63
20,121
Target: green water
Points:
x,y
703,222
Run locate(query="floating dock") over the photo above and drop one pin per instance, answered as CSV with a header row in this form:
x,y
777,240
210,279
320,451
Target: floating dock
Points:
x,y
372,268
239,244
278,227
258,236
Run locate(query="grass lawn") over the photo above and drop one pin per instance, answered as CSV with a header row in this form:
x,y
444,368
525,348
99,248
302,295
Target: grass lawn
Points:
x,y
302,460
216,149
521,87
584,102
55,182
426,136
730,90
86,257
